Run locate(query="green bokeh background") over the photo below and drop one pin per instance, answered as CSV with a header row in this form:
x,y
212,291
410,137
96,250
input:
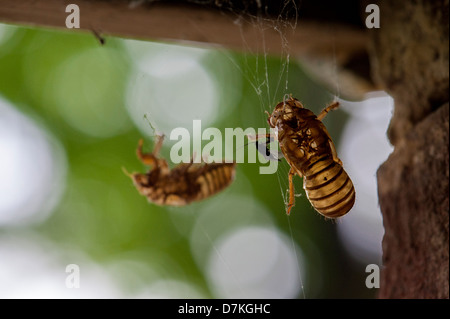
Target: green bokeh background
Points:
x,y
102,214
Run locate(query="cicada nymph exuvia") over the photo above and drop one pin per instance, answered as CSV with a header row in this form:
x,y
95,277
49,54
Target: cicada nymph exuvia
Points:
x,y
183,184
311,154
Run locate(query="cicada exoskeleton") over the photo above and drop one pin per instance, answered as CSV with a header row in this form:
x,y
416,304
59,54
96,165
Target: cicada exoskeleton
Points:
x,y
311,154
183,184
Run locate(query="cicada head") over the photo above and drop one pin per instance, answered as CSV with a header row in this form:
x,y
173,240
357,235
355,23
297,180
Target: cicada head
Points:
x,y
140,180
284,111
274,117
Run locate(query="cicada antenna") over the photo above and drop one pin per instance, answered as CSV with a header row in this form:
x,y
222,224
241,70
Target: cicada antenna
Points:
x,y
130,175
151,125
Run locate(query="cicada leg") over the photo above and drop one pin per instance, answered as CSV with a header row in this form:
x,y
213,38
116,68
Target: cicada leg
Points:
x,y
185,166
292,194
151,159
322,114
330,107
291,191
334,153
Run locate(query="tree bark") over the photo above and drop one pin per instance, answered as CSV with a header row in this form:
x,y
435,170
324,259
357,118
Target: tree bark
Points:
x,y
410,59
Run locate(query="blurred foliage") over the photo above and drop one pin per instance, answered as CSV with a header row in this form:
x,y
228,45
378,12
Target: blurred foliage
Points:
x,y
76,88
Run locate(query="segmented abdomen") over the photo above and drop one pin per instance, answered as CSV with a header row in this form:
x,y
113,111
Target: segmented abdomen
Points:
x,y
328,187
214,177
187,183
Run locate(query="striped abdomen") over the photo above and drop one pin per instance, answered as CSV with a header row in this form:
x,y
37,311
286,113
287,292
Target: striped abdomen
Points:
x,y
182,185
212,178
185,183
328,188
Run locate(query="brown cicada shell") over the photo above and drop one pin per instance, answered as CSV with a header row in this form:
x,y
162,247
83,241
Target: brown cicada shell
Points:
x,y
311,154
185,183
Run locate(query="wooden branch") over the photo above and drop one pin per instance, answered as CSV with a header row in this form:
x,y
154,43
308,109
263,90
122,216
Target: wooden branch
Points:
x,y
317,40
183,22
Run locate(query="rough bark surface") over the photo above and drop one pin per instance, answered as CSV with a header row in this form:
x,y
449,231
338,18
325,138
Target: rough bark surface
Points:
x,y
410,59
413,191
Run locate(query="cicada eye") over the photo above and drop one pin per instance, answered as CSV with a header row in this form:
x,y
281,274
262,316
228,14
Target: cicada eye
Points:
x,y
276,117
272,121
